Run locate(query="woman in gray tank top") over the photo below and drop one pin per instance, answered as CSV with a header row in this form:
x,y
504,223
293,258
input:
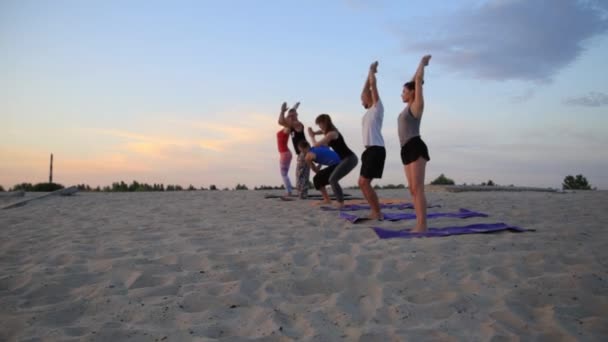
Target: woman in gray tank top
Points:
x,y
414,153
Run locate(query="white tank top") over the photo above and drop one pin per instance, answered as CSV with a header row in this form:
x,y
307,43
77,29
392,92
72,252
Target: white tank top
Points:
x,y
372,125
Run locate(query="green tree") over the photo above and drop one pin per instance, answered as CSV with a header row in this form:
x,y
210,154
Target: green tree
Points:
x,y
1,188
47,187
24,186
576,183
212,187
393,186
442,180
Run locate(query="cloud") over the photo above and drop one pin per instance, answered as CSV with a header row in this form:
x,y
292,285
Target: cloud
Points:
x,y
593,99
529,40
523,97
175,138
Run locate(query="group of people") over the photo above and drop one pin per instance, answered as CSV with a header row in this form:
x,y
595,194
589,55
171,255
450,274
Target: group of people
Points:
x,y
330,158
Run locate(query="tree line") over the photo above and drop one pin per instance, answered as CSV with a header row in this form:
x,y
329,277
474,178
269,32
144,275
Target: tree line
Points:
x,y
134,186
578,182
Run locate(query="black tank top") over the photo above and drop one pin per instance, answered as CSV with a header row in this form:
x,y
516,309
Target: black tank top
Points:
x,y
340,147
296,137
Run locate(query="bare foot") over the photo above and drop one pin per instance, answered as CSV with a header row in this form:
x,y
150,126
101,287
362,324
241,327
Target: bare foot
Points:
x,y
339,205
418,229
325,202
376,216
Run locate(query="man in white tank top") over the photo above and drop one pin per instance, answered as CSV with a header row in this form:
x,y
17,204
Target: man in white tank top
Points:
x,y
372,159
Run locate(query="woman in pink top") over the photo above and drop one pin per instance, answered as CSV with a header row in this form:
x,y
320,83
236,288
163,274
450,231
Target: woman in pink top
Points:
x,y
284,152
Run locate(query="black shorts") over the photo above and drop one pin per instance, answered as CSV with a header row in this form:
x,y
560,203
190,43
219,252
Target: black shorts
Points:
x,y
321,179
414,149
372,162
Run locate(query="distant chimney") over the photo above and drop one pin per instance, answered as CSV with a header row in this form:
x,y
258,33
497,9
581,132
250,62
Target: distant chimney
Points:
x,y
51,170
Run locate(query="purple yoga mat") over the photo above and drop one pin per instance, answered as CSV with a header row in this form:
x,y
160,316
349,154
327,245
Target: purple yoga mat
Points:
x,y
478,228
356,207
462,213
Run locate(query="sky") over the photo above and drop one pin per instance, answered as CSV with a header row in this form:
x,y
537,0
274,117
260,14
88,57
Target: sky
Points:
x,y
189,92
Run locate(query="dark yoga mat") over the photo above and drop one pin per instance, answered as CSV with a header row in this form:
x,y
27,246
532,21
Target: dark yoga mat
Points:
x,y
357,207
479,228
462,213
312,196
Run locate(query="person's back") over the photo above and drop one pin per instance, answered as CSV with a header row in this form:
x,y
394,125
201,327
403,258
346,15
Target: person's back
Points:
x,y
325,156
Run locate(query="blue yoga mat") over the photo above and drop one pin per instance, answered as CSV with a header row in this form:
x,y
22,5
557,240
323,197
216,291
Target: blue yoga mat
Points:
x,y
356,207
479,228
462,213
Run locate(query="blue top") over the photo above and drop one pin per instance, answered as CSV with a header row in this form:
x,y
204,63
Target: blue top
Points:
x,y
325,156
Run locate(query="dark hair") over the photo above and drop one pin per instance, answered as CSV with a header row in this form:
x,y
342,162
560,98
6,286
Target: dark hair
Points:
x,y
302,144
327,121
411,85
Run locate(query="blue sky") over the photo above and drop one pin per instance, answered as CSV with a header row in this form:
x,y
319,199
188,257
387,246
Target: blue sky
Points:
x,y
188,92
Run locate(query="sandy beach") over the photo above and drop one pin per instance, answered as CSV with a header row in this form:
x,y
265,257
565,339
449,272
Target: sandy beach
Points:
x,y
214,265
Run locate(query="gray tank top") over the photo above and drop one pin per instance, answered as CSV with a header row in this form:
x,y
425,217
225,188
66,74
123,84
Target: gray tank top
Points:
x,y
409,126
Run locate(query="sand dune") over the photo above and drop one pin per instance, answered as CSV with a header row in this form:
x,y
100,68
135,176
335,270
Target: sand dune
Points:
x,y
234,266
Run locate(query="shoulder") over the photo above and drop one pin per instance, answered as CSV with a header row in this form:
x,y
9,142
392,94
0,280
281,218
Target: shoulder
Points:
x,y
378,106
378,109
297,126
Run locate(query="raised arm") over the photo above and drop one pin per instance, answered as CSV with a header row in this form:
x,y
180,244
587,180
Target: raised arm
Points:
x,y
371,80
417,105
282,120
325,140
295,107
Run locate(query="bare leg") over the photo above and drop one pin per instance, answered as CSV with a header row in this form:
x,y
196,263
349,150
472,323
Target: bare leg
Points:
x,y
418,169
326,199
372,198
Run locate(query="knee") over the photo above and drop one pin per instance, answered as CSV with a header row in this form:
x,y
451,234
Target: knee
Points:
x,y
364,183
333,179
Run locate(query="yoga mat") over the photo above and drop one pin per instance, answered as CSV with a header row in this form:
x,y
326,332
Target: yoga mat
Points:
x,y
462,213
311,196
356,207
479,228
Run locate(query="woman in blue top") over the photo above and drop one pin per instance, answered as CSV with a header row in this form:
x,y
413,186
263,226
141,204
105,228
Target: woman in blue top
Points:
x,y
414,152
321,155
